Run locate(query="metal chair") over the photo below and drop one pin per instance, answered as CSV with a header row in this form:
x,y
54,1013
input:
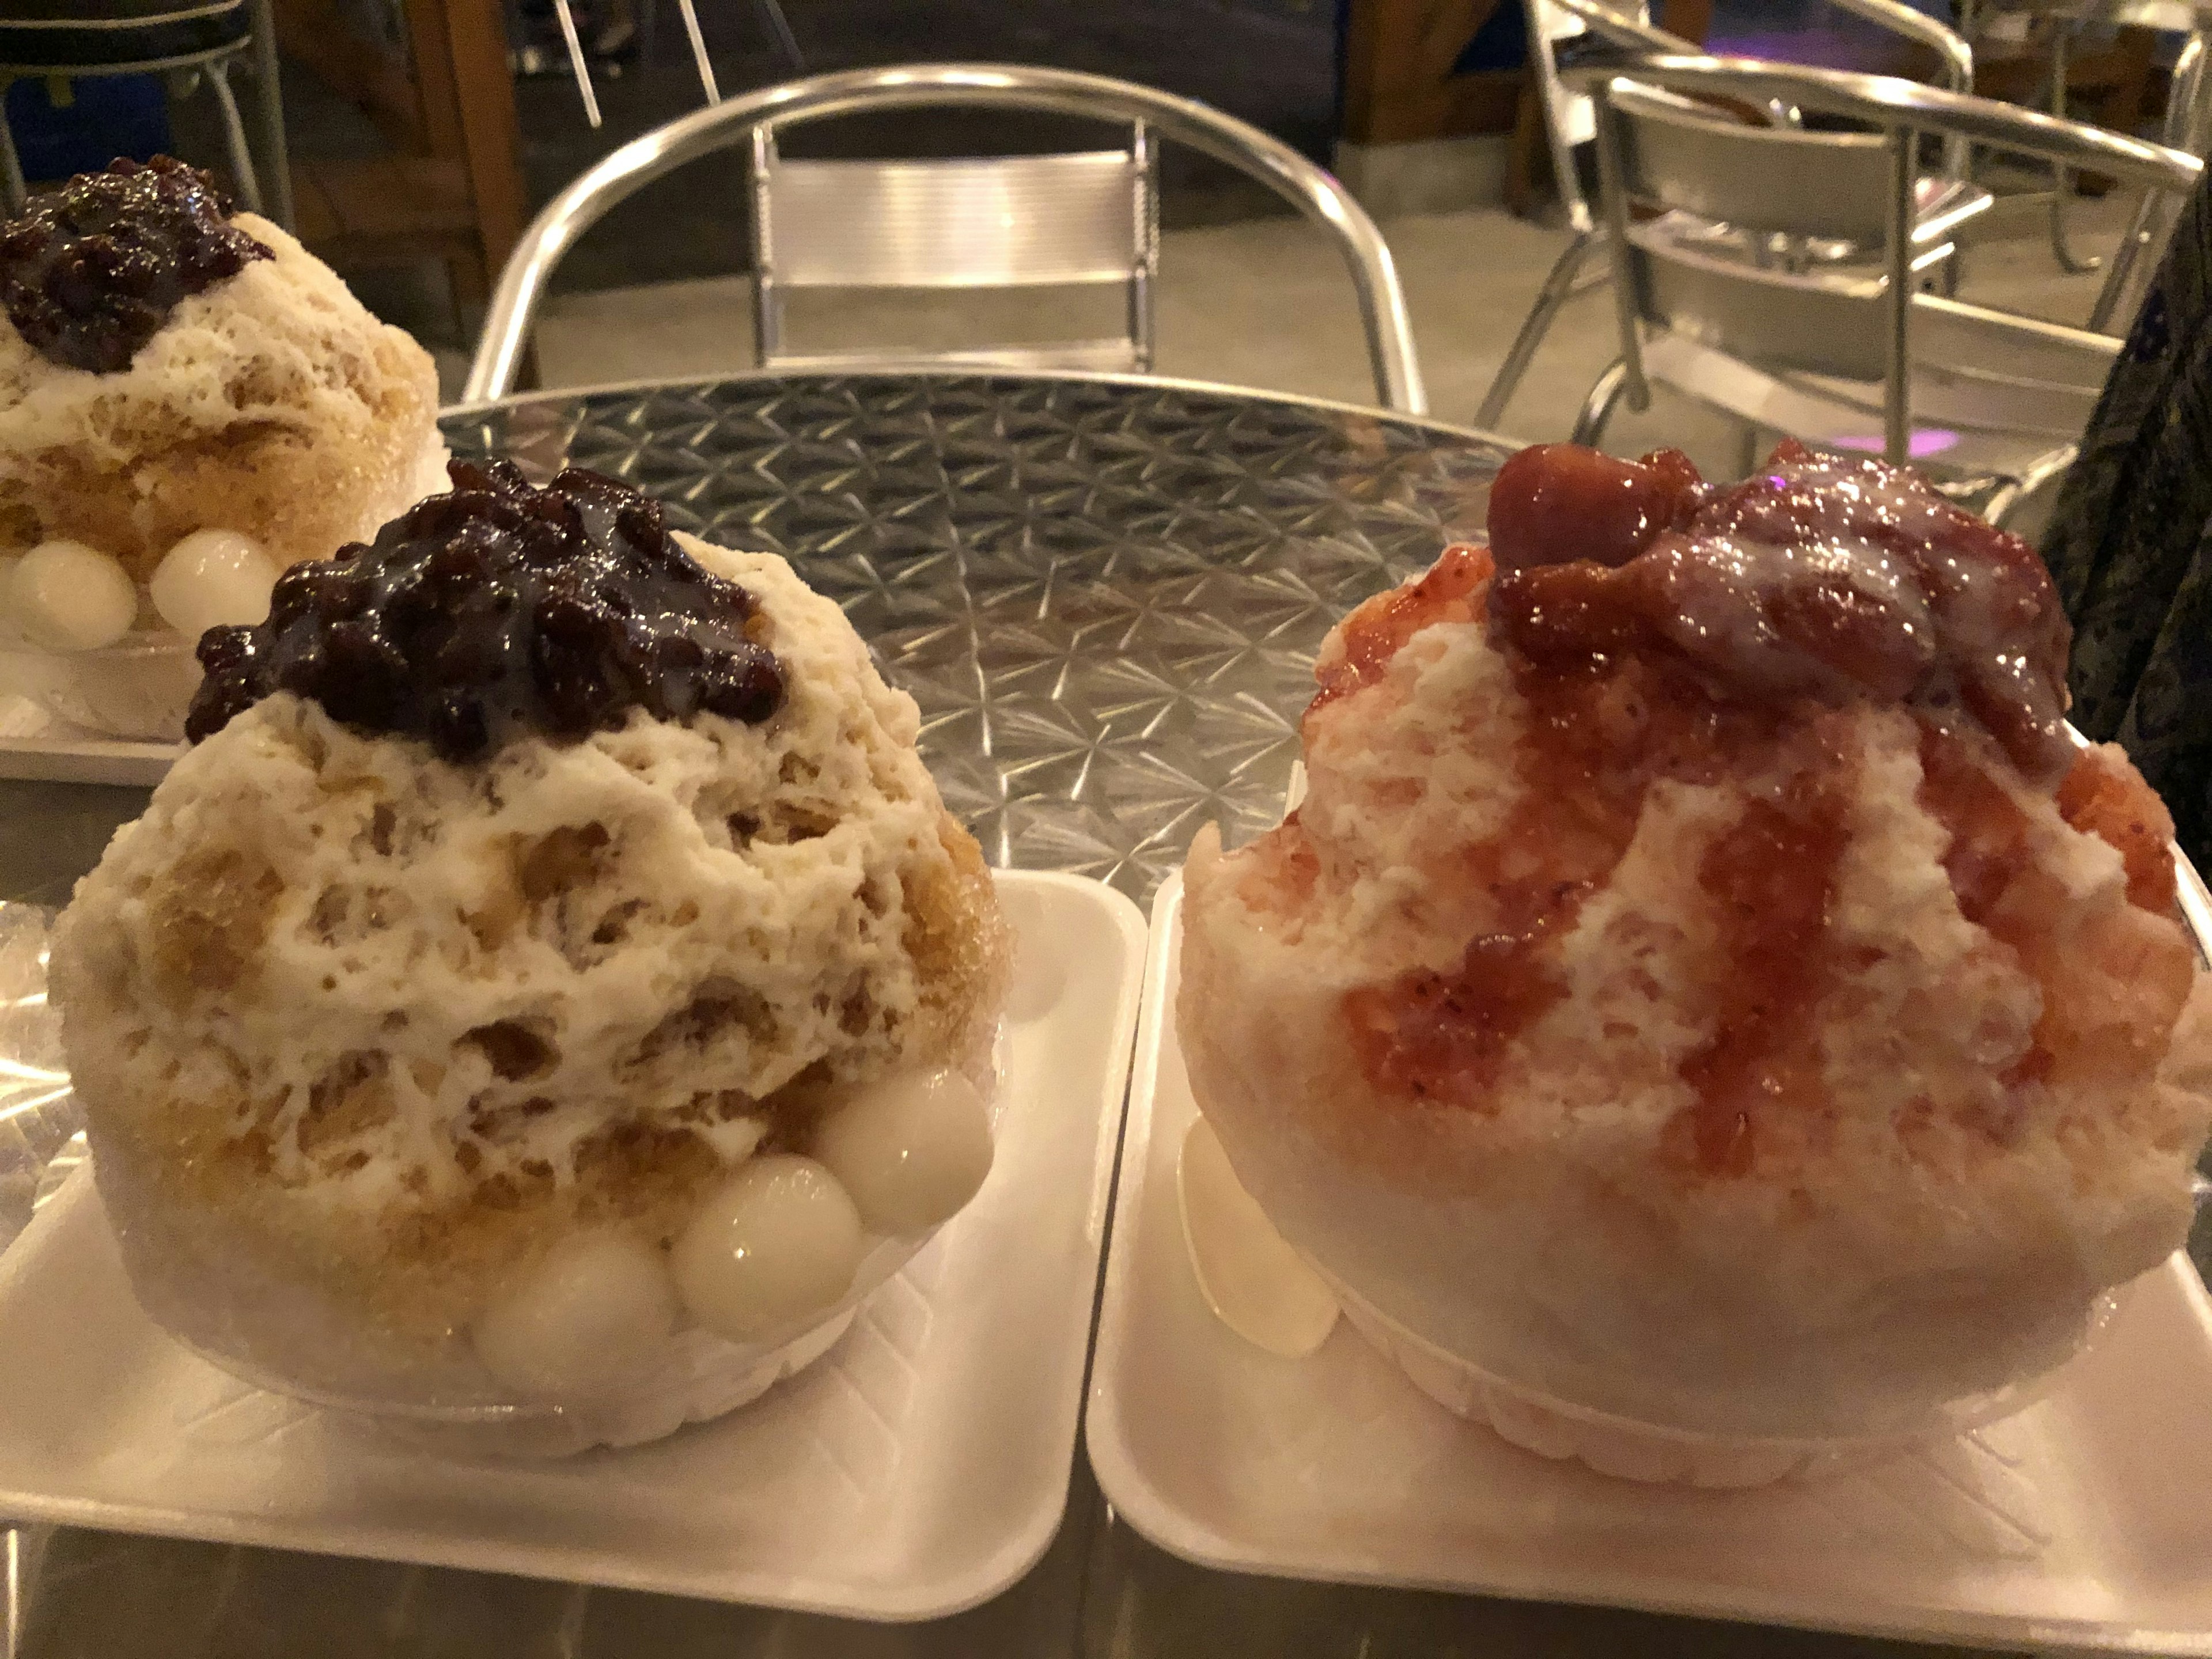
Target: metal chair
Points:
x,y
906,213
1945,199
2188,128
2059,20
184,40
1838,358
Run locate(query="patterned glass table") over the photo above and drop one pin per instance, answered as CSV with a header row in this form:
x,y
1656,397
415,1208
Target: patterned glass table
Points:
x,y
1106,597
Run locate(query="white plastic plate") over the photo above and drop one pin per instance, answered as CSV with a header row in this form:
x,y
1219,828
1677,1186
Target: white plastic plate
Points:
x,y
36,748
919,1468
2085,1522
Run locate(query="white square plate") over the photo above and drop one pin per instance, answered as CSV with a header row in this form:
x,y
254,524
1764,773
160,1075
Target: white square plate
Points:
x,y
2085,1521
919,1468
37,748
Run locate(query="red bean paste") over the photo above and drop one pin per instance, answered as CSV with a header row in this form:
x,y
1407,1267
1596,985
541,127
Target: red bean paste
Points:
x,y
92,271
497,611
1659,628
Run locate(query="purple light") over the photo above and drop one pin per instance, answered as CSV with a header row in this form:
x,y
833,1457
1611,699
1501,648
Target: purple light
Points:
x,y
1926,441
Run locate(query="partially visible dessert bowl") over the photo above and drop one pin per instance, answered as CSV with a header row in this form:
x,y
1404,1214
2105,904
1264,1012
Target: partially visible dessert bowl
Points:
x,y
1703,995
550,996
189,403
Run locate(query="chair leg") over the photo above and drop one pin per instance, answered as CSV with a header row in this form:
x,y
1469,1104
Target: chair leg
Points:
x,y
1558,287
2062,179
699,58
2023,495
779,25
2061,186
269,97
233,132
566,14
1597,408
1747,448
2130,249
11,166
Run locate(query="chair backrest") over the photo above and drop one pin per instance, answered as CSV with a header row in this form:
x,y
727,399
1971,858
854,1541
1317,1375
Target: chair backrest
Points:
x,y
1782,180
1853,187
1183,120
1674,154
1954,54
1567,118
1568,122
1666,154
1083,218
37,34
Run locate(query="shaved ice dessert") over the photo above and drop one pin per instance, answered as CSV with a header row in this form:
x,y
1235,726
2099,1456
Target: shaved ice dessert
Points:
x,y
190,402
1704,988
550,995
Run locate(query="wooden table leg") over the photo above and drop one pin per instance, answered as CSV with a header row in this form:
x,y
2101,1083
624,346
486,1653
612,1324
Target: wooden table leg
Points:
x,y
468,109
1691,19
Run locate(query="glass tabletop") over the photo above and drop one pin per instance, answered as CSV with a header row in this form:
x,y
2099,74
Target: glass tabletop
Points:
x,y
1106,596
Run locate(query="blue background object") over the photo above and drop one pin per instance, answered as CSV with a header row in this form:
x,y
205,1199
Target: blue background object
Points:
x,y
107,116
1502,42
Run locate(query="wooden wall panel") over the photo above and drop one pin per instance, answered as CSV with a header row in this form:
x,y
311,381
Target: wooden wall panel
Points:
x,y
1398,80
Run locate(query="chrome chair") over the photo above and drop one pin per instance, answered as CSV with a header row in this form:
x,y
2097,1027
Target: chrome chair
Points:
x,y
2188,128
913,203
1945,199
1838,358
2060,20
186,40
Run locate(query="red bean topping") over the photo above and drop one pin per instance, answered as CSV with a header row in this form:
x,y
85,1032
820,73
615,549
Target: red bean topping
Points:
x,y
1839,578
92,271
497,609
1557,502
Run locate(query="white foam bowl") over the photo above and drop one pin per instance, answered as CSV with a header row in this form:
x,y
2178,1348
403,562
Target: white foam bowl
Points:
x,y
452,1403
1632,1450
138,688
703,1376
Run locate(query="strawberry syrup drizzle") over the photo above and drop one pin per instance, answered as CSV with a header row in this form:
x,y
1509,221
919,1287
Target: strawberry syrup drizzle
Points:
x,y
1625,662
1452,589
1840,579
2111,801
1993,872
1594,744
1772,878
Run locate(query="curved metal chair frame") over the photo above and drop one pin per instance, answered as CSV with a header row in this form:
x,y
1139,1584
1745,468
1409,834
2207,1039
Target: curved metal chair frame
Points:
x,y
1946,209
1799,352
1374,274
2134,259
2062,18
260,42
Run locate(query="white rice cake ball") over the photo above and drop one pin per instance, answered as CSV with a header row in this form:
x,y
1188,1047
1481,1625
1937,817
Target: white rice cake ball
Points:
x,y
782,1239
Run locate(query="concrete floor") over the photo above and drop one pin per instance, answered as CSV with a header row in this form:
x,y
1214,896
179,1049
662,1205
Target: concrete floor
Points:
x,y
1266,303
